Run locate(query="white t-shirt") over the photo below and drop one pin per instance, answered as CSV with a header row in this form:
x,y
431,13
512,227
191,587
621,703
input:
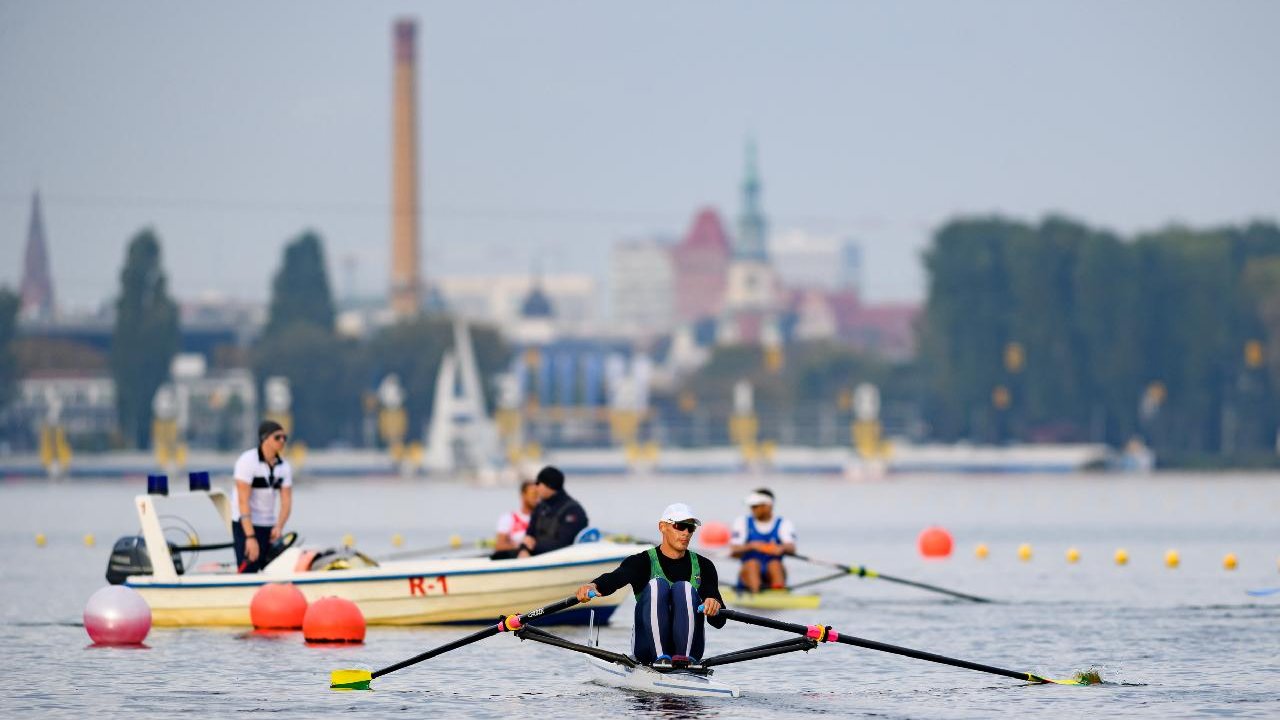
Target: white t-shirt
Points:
x,y
263,480
513,524
786,531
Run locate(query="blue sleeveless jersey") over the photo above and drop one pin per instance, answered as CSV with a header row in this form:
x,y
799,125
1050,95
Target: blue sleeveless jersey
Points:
x,y
754,534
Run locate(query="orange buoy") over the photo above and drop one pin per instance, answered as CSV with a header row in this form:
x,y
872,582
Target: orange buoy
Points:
x,y
333,620
934,542
277,606
714,534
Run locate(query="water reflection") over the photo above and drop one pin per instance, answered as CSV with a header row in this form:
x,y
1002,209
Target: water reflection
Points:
x,y
673,707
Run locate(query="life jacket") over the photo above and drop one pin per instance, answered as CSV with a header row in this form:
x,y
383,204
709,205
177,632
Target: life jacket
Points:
x,y
655,569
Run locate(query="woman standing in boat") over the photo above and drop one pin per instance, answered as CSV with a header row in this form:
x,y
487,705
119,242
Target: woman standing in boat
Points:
x,y
669,582
260,475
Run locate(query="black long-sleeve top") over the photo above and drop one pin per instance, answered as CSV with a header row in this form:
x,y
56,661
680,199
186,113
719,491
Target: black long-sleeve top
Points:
x,y
635,571
556,522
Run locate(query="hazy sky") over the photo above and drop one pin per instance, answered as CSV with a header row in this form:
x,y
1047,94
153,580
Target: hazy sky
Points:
x,y
550,130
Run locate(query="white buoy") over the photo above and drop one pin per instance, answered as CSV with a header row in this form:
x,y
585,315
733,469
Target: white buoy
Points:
x,y
117,615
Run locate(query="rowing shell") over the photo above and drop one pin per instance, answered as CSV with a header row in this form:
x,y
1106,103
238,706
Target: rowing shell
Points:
x,y
644,679
771,599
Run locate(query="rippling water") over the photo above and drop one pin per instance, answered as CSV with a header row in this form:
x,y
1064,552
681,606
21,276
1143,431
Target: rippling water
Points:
x,y
1181,642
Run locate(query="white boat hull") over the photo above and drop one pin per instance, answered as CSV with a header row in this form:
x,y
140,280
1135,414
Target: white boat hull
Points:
x,y
643,679
459,590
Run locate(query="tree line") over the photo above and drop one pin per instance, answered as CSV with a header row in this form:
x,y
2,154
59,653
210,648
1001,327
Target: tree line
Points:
x,y
331,377
1060,331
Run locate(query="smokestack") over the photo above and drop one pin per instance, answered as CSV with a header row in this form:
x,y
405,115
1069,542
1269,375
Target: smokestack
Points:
x,y
406,283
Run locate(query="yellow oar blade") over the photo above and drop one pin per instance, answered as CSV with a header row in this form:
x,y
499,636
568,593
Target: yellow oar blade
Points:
x,y
1085,677
350,680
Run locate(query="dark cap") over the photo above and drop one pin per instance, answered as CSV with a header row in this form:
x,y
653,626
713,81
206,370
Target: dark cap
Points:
x,y
266,428
552,478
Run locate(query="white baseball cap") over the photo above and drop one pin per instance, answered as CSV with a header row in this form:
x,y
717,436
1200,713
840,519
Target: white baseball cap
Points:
x,y
679,512
758,498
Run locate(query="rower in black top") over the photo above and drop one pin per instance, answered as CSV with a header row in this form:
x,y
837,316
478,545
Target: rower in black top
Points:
x,y
669,582
557,518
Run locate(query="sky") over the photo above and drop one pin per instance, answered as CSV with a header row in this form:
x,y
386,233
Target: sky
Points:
x,y
551,130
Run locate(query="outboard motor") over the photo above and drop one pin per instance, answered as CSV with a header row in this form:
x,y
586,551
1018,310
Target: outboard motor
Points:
x,y
130,557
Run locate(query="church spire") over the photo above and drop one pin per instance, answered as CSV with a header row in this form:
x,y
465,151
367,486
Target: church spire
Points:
x,y
37,286
750,243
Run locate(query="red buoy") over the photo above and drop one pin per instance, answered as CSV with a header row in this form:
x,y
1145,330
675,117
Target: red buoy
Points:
x,y
934,542
713,534
278,606
333,620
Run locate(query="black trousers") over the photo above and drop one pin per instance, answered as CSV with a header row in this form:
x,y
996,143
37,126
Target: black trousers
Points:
x,y
263,533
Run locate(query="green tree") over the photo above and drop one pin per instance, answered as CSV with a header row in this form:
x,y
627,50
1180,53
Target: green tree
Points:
x,y
146,336
324,379
299,343
413,350
300,292
9,304
966,323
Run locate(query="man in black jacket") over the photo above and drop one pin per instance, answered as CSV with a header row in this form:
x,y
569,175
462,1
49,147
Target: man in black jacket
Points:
x,y
557,519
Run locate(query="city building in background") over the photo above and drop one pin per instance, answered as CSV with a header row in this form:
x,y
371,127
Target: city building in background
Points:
x,y
753,283
642,280
37,283
701,263
808,261
500,299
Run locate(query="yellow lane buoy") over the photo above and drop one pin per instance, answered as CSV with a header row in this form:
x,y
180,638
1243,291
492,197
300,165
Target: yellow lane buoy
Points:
x,y
397,540
89,540
981,551
1171,559
455,541
1073,555
41,540
1229,562
1024,552
1122,557
348,540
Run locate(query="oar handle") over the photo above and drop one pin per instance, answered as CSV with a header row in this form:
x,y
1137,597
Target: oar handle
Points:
x,y
506,624
825,634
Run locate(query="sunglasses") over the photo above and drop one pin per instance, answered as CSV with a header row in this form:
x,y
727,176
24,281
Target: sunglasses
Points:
x,y
281,437
684,526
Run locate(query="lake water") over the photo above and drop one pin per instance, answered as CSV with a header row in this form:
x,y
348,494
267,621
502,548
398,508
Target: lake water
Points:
x,y
1168,642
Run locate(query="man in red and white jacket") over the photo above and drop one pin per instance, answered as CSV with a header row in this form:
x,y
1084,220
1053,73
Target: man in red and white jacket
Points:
x,y
512,525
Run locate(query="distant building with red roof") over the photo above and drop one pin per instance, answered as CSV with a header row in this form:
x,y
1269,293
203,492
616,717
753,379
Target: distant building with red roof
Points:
x,y
701,263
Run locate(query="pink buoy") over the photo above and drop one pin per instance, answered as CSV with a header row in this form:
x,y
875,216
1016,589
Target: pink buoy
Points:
x,y
934,542
117,615
278,606
333,620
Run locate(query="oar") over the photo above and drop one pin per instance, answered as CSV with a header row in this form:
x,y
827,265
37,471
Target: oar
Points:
x,y
360,679
864,571
1264,591
826,634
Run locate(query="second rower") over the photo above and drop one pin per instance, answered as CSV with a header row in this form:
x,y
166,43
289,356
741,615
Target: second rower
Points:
x,y
761,540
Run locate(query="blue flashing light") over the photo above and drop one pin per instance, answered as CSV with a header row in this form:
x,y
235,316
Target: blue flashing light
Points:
x,y
157,484
199,481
